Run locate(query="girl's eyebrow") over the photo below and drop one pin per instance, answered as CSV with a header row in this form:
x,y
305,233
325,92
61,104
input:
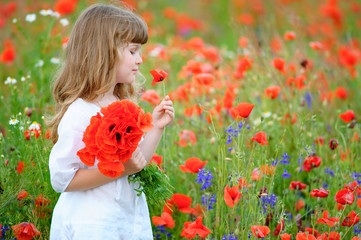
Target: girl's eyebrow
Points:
x,y
135,44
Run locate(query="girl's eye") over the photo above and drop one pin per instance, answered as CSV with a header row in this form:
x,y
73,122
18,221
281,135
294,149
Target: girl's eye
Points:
x,y
132,52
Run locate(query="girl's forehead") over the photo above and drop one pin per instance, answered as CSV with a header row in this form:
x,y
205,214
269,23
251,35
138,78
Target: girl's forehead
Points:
x,y
135,45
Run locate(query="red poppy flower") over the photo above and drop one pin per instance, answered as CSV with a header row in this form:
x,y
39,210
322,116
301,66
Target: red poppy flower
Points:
x,y
311,162
27,135
272,92
297,185
65,6
354,238
22,194
260,231
320,140
279,64
299,205
205,79
351,219
341,93
316,45
345,196
8,54
113,137
158,75
165,220
192,229
347,116
334,236
20,168
231,196
242,110
261,138
151,96
25,231
329,221
289,36
279,228
321,193
180,201
228,98
242,42
157,159
285,236
41,202
187,137
192,165
305,236
312,231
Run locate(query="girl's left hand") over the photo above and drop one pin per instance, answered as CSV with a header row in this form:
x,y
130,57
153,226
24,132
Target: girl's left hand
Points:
x,y
163,110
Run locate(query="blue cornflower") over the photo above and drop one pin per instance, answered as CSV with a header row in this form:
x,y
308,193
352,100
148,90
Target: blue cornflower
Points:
x,y
286,174
230,237
233,132
308,99
274,163
289,216
285,157
357,229
204,177
328,171
268,201
209,201
325,185
248,127
230,149
161,230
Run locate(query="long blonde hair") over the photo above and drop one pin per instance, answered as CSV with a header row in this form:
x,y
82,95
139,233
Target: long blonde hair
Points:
x,y
91,57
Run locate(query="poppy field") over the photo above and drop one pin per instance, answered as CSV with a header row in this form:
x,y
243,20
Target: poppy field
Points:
x,y
266,138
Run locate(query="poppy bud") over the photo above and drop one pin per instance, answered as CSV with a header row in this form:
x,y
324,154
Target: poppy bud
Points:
x,y
6,161
333,143
352,125
28,111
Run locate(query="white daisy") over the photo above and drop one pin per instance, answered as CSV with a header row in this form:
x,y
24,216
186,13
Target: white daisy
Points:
x,y
30,17
46,12
13,121
55,60
64,22
10,80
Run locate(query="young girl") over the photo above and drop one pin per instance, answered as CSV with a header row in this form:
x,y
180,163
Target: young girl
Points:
x,y
101,64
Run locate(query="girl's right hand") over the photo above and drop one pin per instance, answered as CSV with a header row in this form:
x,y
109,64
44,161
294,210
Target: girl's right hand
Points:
x,y
135,164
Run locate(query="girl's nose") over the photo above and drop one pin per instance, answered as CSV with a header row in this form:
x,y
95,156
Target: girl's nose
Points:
x,y
139,60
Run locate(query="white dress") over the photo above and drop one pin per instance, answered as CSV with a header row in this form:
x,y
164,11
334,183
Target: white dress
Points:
x,y
112,211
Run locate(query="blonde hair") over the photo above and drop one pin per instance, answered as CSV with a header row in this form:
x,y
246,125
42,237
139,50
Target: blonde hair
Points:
x,y
91,57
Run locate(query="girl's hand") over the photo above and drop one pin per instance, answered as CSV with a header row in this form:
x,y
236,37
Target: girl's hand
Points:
x,y
135,164
163,114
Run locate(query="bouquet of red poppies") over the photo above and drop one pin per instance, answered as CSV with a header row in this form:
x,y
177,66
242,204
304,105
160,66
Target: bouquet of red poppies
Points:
x,y
113,136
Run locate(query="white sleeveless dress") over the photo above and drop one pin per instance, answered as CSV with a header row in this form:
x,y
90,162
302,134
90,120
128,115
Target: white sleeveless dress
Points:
x,y
112,211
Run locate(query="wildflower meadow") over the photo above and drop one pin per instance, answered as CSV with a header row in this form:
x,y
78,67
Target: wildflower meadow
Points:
x,y
265,142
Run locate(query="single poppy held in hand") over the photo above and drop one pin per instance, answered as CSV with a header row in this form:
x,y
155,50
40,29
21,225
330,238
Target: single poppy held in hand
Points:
x,y
242,110
347,116
192,165
297,185
351,219
165,220
158,75
311,162
272,92
192,229
321,193
25,231
260,231
231,196
345,196
261,138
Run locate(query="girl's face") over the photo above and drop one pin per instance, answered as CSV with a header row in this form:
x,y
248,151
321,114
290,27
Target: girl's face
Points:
x,y
129,64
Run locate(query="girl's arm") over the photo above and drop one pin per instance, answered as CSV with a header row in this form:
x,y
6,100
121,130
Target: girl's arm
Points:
x,y
85,179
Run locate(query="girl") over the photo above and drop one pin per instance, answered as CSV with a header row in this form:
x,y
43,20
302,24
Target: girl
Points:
x,y
101,63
